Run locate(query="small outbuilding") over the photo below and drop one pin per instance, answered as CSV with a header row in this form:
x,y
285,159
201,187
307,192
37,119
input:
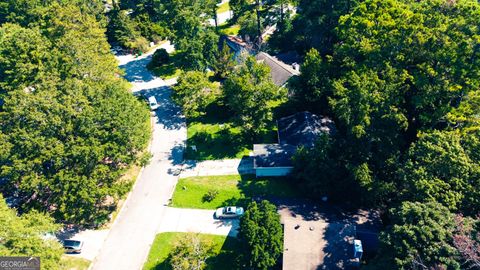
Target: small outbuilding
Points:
x,y
299,130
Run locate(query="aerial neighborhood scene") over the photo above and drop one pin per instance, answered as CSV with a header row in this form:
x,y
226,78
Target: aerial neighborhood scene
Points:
x,y
239,134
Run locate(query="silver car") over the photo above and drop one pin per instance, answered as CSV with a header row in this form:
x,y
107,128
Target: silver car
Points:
x,y
72,246
229,212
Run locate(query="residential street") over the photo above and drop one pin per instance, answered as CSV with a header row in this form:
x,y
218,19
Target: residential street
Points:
x,y
132,233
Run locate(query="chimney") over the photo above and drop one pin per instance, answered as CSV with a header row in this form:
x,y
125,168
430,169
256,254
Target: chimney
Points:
x,y
296,66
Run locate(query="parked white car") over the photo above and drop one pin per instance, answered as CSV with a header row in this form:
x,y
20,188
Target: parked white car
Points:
x,y
229,212
152,102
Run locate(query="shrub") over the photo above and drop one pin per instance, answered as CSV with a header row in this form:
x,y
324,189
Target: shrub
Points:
x,y
210,195
159,58
145,159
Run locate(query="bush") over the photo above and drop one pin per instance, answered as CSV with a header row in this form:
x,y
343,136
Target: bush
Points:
x,y
145,159
159,58
210,195
139,44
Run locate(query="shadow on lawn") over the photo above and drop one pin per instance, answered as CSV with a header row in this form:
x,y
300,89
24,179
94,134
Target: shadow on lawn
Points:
x,y
257,189
220,145
228,258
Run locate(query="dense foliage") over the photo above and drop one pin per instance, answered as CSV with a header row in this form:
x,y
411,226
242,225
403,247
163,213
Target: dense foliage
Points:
x,y
401,80
29,235
248,91
69,126
262,234
398,69
194,92
191,253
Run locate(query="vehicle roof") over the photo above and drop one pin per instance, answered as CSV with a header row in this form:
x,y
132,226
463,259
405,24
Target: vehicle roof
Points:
x,y
152,99
71,242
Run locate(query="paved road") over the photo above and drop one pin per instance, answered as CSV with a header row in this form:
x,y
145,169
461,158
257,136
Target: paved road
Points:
x,y
197,221
132,233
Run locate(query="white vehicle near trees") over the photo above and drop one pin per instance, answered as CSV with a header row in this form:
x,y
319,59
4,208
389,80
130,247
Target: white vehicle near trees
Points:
x,y
229,212
152,102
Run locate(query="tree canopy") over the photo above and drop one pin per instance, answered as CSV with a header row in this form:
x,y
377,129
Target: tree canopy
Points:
x,y
261,232
248,91
69,125
29,235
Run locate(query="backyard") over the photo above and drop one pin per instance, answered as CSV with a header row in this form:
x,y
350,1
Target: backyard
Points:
x,y
193,192
226,248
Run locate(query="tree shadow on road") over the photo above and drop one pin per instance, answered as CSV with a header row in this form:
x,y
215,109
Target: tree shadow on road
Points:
x,y
136,71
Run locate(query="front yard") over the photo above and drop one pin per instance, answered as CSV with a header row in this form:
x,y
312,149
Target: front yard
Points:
x,y
226,250
192,192
215,136
74,263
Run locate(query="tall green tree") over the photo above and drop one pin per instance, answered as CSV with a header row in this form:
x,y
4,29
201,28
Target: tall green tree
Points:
x,y
29,235
224,62
438,168
261,232
194,92
420,237
248,91
191,253
69,125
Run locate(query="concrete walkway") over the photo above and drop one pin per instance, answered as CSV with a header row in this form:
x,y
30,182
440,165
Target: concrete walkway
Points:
x,y
217,167
128,242
197,221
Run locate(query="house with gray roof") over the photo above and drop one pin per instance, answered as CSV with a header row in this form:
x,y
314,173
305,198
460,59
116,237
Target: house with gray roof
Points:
x,y
299,130
280,71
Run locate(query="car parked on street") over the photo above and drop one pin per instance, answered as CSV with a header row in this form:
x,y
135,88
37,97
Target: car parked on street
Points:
x,y
73,246
229,212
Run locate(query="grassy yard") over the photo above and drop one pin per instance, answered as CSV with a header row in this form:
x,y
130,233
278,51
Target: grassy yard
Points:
x,y
225,248
74,263
229,29
224,7
170,70
216,137
232,190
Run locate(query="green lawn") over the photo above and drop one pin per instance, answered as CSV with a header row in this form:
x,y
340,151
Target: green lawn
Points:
x,y
74,263
228,29
170,70
225,247
224,7
232,190
216,137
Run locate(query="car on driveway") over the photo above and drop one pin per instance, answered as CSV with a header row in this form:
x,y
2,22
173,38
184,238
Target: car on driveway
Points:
x,y
152,102
73,246
229,212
